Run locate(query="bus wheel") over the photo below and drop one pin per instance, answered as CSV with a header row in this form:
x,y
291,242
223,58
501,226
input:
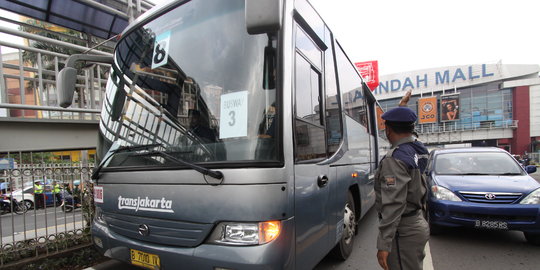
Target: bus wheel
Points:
x,y
344,247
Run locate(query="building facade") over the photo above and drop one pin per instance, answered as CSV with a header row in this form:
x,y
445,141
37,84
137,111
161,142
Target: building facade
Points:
x,y
481,105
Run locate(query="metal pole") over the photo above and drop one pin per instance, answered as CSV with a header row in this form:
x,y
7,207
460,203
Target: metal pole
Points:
x,y
21,80
104,8
48,40
46,108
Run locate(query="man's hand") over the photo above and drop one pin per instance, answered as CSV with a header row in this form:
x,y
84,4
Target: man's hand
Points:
x,y
405,99
382,257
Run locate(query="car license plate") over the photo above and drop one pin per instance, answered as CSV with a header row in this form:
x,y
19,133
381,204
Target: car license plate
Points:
x,y
490,224
139,258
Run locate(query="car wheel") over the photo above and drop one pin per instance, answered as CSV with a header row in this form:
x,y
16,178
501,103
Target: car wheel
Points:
x,y
344,248
532,238
28,204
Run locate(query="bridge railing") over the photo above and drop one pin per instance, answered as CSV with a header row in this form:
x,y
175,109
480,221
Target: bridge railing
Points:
x,y
28,74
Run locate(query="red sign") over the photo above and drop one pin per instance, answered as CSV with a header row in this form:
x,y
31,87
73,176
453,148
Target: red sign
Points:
x,y
370,72
98,194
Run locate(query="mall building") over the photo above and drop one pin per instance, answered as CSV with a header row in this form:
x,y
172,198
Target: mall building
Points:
x,y
478,105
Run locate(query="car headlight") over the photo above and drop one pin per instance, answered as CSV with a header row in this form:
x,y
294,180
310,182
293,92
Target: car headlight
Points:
x,y
235,233
444,194
533,198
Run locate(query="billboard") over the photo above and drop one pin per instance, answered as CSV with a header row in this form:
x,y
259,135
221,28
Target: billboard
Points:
x,y
427,110
450,107
370,72
380,121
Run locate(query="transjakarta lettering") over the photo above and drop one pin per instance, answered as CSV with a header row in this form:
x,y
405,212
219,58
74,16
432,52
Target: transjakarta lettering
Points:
x,y
145,204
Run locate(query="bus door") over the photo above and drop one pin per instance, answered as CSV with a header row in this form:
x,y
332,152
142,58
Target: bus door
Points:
x,y
312,180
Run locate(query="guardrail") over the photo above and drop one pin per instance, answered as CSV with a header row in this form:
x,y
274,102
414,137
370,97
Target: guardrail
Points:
x,y
64,220
470,126
28,77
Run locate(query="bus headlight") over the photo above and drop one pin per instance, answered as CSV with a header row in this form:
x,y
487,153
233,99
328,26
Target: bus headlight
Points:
x,y
533,198
245,234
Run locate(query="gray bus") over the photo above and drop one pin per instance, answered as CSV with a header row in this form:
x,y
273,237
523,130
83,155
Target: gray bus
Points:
x,y
233,135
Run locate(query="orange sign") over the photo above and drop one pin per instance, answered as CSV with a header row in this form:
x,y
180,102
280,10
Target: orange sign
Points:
x,y
427,110
380,121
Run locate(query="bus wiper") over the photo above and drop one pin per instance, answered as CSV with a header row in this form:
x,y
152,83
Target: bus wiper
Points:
x,y
473,173
205,171
120,149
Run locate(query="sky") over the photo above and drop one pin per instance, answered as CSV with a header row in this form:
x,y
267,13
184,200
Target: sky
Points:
x,y
420,34
407,35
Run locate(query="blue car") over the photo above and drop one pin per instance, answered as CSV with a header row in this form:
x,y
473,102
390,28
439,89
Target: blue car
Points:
x,y
483,188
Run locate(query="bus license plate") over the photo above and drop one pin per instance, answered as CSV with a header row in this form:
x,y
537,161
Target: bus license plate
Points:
x,y
489,224
139,258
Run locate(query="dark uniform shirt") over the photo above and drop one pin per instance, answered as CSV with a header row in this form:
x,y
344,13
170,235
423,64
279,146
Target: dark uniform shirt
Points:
x,y
400,187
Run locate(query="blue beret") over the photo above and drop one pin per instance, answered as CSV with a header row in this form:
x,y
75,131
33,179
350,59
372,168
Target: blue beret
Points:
x,y
400,114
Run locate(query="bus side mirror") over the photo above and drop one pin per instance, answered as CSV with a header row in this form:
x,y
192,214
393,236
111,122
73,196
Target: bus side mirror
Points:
x,y
263,16
269,69
65,85
67,77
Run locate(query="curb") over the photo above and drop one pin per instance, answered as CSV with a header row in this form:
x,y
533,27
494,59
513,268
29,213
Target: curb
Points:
x,y
112,264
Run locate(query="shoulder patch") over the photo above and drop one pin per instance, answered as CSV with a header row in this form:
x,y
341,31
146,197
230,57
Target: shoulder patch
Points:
x,y
390,180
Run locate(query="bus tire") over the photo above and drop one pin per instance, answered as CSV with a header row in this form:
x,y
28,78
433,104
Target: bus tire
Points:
x,y
344,247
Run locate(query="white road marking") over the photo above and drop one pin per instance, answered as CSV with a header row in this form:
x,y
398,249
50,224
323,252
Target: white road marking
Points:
x,y
428,262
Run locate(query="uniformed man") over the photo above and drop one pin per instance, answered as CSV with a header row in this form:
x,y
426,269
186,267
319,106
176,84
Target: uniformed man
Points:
x,y
401,190
38,195
56,193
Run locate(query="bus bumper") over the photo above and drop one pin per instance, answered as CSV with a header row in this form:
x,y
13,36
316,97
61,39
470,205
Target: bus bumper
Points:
x,y
278,254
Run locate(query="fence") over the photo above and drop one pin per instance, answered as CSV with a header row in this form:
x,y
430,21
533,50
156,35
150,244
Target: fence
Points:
x,y
455,127
28,76
62,223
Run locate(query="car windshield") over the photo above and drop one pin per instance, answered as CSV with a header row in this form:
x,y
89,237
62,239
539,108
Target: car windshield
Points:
x,y
197,86
477,163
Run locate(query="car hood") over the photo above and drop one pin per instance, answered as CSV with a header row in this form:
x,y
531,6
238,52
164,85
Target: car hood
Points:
x,y
16,192
491,183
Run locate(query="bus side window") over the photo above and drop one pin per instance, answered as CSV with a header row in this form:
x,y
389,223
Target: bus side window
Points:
x,y
350,87
309,132
334,129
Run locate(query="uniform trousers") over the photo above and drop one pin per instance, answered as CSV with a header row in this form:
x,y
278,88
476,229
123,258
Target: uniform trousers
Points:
x,y
408,246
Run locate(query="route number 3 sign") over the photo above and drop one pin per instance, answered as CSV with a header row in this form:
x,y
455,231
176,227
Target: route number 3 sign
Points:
x,y
233,115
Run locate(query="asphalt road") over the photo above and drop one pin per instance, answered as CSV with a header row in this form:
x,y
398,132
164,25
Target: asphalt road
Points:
x,y
453,249
39,222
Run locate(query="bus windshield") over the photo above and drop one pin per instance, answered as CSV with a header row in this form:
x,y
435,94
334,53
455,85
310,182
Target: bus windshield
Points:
x,y
195,83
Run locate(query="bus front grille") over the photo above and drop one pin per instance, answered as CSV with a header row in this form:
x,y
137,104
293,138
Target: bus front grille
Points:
x,y
159,231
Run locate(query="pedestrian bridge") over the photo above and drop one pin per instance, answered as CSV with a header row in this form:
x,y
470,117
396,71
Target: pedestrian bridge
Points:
x,y
75,130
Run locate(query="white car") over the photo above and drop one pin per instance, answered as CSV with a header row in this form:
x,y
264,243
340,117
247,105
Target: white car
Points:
x,y
26,195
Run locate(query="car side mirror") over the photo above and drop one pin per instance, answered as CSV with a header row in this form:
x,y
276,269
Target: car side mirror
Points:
x,y
263,16
530,169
